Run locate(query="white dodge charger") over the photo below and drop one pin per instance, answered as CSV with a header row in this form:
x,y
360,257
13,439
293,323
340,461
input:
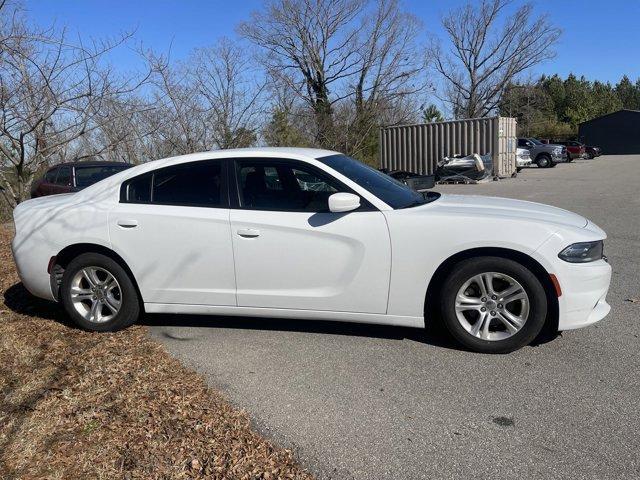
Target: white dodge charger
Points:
x,y
309,234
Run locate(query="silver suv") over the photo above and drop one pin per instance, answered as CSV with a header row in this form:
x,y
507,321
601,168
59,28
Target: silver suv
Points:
x,y
543,154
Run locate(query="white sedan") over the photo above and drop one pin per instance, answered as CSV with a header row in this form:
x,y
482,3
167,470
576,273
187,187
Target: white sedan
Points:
x,y
309,234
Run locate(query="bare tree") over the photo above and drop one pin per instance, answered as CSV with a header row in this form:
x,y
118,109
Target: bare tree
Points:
x,y
389,76
232,99
388,58
489,49
51,96
351,56
176,122
310,43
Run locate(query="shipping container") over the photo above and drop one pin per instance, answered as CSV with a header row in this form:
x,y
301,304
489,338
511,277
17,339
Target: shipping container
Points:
x,y
419,148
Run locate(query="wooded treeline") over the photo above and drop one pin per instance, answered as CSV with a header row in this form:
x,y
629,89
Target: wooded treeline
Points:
x,y
552,107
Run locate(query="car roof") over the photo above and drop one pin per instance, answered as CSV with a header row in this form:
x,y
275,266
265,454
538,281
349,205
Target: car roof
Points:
x,y
256,152
94,163
287,152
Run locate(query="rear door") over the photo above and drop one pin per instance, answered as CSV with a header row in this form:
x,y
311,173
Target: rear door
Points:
x,y
292,253
172,228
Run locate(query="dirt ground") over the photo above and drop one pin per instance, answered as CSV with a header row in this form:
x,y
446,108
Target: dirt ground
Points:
x,y
75,404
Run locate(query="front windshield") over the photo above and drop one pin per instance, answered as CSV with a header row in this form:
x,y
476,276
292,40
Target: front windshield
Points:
x,y
537,142
388,189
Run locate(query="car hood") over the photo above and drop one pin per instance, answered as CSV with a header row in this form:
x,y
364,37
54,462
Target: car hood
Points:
x,y
479,206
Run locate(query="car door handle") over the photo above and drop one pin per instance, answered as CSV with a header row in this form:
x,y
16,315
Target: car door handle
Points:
x,y
249,232
126,223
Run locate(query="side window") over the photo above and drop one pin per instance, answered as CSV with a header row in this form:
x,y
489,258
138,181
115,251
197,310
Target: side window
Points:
x,y
284,186
195,184
138,190
271,178
312,183
64,176
50,176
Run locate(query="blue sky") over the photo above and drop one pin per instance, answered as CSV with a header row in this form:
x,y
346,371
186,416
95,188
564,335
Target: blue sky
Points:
x,y
601,40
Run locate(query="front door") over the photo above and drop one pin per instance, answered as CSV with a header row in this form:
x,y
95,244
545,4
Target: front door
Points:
x,y
291,252
172,229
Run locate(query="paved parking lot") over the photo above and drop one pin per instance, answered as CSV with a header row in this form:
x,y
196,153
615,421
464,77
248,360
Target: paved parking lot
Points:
x,y
371,402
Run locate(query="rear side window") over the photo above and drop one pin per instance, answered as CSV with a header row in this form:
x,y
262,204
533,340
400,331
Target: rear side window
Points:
x,y
50,176
64,176
195,184
138,190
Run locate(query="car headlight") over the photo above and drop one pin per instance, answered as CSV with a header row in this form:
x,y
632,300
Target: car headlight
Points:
x,y
583,252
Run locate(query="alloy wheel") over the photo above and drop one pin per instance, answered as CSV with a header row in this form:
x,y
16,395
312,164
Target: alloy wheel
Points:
x,y
492,306
96,294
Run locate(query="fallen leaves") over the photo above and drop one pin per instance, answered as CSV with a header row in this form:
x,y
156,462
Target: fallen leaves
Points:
x,y
75,404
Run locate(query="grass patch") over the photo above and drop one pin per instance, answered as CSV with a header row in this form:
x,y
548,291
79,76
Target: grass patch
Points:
x,y
75,404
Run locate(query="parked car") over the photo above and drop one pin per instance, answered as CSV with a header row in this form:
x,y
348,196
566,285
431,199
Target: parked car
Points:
x,y
592,151
72,177
523,158
206,233
544,155
574,149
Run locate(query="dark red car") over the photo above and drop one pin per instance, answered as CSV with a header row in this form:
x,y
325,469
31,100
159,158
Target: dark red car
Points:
x,y
574,149
71,177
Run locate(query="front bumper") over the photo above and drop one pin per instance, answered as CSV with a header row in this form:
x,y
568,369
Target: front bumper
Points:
x,y
584,286
584,291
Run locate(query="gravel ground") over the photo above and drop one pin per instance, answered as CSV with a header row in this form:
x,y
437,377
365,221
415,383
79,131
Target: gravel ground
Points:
x,y
359,401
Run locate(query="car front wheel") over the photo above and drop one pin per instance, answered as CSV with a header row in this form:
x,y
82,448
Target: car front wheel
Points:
x,y
98,294
493,304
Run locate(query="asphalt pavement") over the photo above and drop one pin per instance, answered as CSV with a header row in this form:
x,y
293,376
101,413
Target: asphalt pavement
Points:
x,y
374,402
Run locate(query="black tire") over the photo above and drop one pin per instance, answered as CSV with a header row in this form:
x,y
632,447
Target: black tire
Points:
x,y
553,165
467,269
590,156
130,303
544,161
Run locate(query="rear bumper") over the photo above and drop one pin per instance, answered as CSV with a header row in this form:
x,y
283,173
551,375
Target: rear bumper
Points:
x,y
31,261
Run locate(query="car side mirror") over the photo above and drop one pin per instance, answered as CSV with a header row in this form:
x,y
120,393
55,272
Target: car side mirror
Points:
x,y
343,202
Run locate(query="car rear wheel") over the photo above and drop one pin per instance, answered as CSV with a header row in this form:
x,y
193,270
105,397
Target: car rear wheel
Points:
x,y
98,294
493,304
